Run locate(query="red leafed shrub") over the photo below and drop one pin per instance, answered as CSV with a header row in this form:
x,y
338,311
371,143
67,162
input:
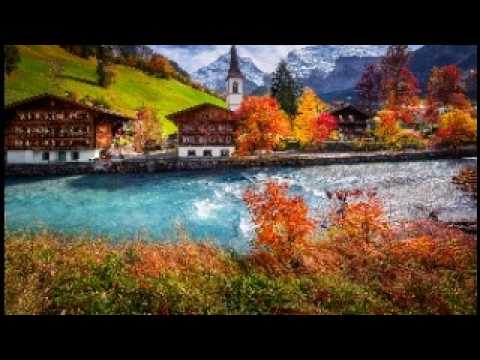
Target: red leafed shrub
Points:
x,y
283,224
422,268
322,127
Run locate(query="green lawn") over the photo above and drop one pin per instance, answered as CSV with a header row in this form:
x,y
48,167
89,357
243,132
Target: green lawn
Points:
x,y
131,90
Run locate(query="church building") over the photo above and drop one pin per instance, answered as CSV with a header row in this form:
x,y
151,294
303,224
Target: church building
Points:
x,y
207,130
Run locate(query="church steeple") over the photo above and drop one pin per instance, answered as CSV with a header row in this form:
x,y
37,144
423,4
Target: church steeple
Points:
x,y
234,81
234,70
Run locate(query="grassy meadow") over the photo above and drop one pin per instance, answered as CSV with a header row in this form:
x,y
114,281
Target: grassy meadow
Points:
x,y
131,89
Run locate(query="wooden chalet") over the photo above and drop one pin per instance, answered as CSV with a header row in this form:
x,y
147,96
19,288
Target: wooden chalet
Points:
x,y
48,128
204,130
352,122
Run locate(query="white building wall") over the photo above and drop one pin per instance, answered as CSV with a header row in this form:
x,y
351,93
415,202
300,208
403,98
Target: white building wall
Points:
x,y
35,157
234,100
216,150
20,156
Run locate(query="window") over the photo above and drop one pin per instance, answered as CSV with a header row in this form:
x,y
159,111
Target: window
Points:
x,y
75,155
235,87
207,152
62,156
45,156
191,153
224,153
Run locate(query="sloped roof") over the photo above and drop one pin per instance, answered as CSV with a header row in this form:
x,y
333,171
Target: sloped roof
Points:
x,y
175,115
16,104
342,107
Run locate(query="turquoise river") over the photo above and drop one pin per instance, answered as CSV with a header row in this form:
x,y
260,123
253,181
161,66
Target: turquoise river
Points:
x,y
209,206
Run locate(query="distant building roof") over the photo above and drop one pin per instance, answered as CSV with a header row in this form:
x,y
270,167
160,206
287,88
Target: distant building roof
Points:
x,y
46,96
174,116
343,107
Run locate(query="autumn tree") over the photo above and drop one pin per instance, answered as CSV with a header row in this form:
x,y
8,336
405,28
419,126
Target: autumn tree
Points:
x,y
445,91
12,58
310,106
262,125
369,88
399,86
456,127
160,65
386,126
321,127
147,127
283,223
286,90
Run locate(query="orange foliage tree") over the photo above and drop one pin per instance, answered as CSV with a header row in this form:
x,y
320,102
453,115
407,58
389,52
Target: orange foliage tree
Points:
x,y
456,127
445,90
262,125
283,224
147,128
360,216
399,86
159,64
386,126
403,96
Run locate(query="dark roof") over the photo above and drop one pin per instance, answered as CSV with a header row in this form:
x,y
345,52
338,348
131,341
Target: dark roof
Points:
x,y
347,106
16,104
234,70
174,115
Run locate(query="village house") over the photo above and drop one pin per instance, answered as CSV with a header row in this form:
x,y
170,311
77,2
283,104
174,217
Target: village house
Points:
x,y
207,130
48,128
352,122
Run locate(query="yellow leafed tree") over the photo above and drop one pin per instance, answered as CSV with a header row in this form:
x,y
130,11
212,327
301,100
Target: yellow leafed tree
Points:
x,y
309,107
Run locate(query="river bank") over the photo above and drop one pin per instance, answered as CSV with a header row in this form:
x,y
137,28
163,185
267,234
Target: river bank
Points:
x,y
155,164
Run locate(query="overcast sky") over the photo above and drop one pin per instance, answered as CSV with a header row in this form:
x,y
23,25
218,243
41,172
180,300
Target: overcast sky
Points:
x,y
193,57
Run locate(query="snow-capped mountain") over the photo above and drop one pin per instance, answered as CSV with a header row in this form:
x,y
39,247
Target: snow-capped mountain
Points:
x,y
322,58
214,75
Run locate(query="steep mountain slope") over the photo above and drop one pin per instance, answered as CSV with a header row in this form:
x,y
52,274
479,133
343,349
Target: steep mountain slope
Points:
x,y
131,89
345,75
213,75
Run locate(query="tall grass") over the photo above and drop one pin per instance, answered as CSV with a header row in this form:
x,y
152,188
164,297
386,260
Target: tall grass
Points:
x,y
48,273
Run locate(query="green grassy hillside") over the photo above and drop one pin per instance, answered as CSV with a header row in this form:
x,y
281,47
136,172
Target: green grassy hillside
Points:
x,y
131,90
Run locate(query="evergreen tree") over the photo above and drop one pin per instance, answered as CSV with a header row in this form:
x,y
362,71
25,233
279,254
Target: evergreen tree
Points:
x,y
285,89
105,75
12,58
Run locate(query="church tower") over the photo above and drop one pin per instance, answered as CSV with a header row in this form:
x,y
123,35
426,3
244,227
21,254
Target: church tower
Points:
x,y
234,82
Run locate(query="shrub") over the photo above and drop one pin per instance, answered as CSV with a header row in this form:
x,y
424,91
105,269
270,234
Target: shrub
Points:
x,y
408,139
283,224
456,127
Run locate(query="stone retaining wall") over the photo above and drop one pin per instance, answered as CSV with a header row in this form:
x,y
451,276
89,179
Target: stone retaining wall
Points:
x,y
175,164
